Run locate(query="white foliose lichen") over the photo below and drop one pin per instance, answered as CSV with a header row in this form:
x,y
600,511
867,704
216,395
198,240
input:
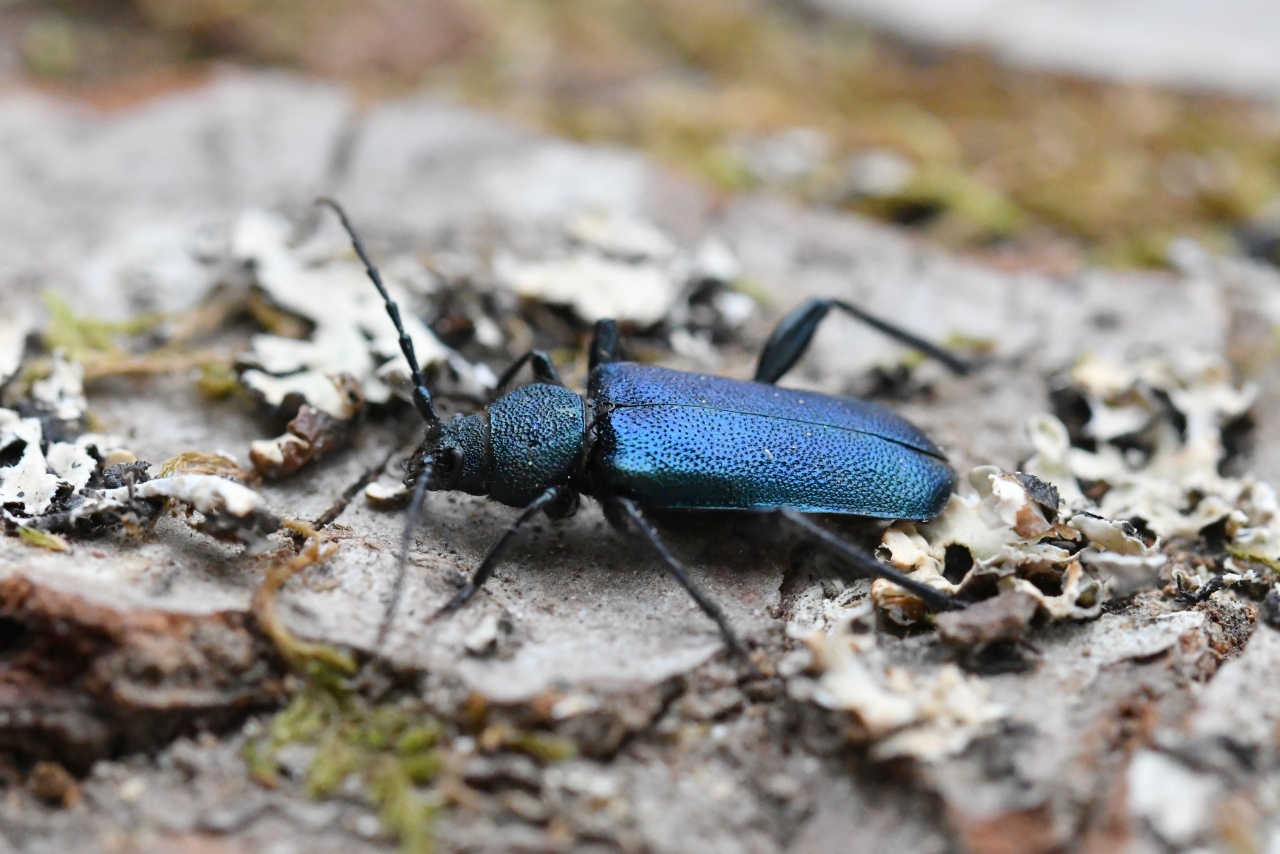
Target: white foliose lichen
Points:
x,y
351,334
1159,426
1077,528
45,471
14,332
1157,430
926,716
92,482
627,269
60,394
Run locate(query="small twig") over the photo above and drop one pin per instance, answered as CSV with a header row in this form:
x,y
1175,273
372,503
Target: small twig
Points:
x,y
369,476
297,652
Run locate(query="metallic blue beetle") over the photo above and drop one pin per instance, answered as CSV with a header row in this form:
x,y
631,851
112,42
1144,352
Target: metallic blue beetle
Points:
x,y
646,436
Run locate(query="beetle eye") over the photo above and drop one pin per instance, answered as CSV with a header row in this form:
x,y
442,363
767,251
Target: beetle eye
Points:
x,y
454,465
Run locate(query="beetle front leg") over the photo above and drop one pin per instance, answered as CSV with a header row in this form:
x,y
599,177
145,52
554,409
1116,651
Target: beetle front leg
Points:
x,y
544,371
793,334
557,502
864,565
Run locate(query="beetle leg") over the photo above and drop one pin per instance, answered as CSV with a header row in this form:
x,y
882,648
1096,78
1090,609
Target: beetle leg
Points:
x,y
544,371
556,501
711,609
604,344
865,565
791,338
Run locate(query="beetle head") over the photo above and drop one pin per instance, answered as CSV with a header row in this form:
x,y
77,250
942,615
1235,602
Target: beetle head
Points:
x,y
454,455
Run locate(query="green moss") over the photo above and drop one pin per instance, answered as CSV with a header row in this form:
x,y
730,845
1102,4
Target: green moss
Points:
x,y
217,380
989,211
395,748
542,746
42,539
83,337
971,344
419,737
1005,152
1242,553
1002,153
999,153
753,288
403,811
51,47
392,748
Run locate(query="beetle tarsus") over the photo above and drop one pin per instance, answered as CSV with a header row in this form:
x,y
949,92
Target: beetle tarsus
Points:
x,y
868,566
793,334
461,598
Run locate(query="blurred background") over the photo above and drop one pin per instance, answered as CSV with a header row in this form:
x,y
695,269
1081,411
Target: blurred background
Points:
x,y
1044,133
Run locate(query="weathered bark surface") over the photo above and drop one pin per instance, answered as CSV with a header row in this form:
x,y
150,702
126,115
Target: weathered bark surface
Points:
x,y
1140,40
119,645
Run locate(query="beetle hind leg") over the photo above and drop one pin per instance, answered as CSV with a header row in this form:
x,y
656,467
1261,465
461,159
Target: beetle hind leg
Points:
x,y
793,334
863,564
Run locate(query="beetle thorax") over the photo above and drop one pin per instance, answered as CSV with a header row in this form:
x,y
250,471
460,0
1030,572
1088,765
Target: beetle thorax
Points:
x,y
537,438
526,442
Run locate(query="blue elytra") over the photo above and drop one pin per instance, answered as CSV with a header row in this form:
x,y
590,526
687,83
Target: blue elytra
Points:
x,y
672,439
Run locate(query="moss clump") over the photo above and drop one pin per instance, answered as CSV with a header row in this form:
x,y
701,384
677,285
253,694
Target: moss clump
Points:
x,y
217,380
545,747
391,749
98,345
395,749
1249,555
87,339
400,755
42,539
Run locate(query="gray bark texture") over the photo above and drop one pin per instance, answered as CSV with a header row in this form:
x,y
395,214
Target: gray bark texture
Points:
x,y
1150,728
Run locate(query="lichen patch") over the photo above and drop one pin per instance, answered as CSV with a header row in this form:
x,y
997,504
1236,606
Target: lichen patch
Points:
x,y
350,333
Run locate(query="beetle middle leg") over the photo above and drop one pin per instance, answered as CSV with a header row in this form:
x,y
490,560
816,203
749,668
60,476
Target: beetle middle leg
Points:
x,y
864,564
604,344
544,371
622,510
557,502
793,334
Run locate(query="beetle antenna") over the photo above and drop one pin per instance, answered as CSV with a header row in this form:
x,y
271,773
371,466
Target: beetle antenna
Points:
x,y
421,394
412,520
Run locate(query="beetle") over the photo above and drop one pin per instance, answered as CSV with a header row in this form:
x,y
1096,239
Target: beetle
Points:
x,y
652,437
